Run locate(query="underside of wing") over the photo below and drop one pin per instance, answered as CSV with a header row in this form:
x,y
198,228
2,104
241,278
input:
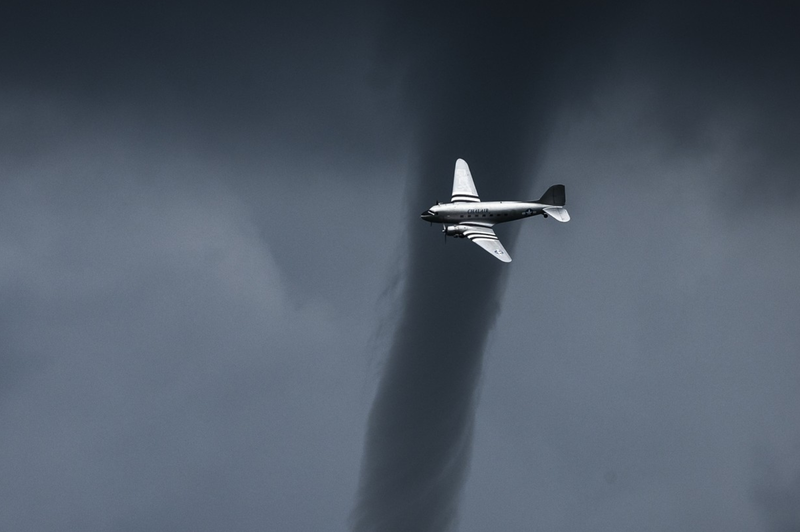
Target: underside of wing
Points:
x,y
485,238
464,190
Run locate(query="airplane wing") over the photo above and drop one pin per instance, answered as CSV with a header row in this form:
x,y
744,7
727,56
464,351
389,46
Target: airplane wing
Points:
x,y
485,238
464,190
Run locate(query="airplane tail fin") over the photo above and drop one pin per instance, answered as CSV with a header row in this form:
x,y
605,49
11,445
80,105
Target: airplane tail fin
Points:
x,y
555,195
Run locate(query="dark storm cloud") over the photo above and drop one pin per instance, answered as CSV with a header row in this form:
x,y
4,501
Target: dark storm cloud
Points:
x,y
705,61
150,349
673,312
199,202
238,76
662,347
280,93
485,82
480,81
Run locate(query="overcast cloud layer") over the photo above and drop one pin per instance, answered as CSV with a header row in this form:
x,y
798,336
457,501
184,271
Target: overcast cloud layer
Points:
x,y
202,208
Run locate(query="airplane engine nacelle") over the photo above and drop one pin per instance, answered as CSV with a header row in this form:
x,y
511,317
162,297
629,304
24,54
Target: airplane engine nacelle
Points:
x,y
455,230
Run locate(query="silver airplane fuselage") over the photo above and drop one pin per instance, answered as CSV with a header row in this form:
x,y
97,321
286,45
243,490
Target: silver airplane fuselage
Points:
x,y
490,212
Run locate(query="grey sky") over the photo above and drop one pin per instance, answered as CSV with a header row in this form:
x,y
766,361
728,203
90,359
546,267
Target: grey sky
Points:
x,y
206,221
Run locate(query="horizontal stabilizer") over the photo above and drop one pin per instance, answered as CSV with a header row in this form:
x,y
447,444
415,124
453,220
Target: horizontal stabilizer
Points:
x,y
557,213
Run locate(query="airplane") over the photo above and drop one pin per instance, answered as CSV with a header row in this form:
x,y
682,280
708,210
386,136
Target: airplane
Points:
x,y
466,216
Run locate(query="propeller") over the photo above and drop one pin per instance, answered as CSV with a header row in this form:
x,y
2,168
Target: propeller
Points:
x,y
444,232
